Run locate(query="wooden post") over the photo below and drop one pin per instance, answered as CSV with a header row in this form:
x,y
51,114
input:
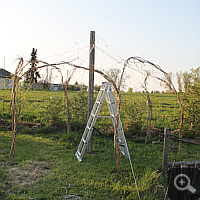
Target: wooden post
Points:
x,y
165,149
91,82
3,107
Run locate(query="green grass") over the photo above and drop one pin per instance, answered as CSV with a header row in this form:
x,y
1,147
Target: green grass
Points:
x,y
96,177
34,106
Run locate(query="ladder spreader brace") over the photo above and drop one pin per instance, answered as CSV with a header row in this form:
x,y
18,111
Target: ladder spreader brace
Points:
x,y
105,92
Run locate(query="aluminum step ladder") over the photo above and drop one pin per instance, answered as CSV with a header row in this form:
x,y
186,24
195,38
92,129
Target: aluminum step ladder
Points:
x,y
105,92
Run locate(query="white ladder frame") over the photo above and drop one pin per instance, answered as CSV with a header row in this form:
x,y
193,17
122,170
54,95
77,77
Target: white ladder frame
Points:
x,y
105,92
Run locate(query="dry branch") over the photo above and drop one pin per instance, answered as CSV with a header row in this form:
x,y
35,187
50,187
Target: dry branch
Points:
x,y
169,83
187,163
18,75
150,109
67,98
14,111
181,105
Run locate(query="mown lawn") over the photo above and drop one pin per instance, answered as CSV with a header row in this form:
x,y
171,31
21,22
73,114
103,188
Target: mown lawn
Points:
x,y
61,175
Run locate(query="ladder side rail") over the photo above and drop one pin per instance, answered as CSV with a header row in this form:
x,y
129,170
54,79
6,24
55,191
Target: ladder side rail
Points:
x,y
88,129
100,93
93,118
99,100
113,111
110,103
81,144
91,122
122,139
120,128
113,102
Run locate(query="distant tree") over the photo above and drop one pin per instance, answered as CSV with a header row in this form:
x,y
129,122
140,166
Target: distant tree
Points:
x,y
191,99
130,89
76,86
83,87
157,91
186,81
71,87
179,80
33,75
46,85
115,74
168,81
97,87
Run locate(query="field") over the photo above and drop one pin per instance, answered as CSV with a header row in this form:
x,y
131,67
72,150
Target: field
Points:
x,y
46,167
39,106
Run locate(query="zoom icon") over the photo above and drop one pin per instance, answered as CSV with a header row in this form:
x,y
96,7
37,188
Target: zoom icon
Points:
x,y
182,182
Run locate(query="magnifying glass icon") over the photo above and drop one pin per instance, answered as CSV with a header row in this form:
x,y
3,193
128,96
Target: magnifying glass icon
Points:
x,y
182,182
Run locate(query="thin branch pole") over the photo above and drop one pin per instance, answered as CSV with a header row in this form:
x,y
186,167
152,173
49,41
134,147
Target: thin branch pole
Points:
x,y
150,109
14,112
169,85
182,110
18,75
67,98
165,150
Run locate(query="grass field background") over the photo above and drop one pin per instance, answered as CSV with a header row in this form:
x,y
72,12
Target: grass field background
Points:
x,y
37,105
45,163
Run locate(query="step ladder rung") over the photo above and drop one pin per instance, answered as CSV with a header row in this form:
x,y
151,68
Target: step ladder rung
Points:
x,y
89,128
100,116
79,157
78,152
110,102
83,140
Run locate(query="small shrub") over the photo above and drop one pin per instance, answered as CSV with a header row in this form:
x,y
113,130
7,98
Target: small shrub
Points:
x,y
52,112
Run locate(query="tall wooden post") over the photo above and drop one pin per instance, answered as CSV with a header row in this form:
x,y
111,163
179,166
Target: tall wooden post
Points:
x,y
165,149
91,82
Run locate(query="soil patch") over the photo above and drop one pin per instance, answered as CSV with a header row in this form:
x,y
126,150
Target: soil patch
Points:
x,y
29,173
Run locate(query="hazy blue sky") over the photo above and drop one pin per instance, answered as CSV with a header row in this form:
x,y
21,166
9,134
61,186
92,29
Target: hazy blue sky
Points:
x,y
165,32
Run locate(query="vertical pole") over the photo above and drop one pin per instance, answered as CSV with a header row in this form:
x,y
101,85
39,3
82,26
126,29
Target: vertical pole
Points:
x,y
4,62
165,149
91,82
3,107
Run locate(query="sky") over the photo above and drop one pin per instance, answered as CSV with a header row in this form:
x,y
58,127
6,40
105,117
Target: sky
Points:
x,y
164,32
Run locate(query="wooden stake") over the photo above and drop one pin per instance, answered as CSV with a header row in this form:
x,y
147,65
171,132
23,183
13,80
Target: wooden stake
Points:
x,y
165,149
91,82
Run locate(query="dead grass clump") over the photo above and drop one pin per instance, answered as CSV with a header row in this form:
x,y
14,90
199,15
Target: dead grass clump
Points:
x,y
29,173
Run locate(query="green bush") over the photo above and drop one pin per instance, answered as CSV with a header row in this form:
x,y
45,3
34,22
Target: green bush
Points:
x,y
191,101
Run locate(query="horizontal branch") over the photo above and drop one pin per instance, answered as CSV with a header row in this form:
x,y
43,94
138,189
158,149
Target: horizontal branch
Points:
x,y
181,139
174,164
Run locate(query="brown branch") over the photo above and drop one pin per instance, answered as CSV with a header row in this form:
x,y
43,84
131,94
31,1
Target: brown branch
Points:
x,y
182,110
150,108
145,62
170,84
14,112
18,75
67,98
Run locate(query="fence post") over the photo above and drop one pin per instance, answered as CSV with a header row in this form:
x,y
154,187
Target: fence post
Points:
x,y
165,149
3,108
